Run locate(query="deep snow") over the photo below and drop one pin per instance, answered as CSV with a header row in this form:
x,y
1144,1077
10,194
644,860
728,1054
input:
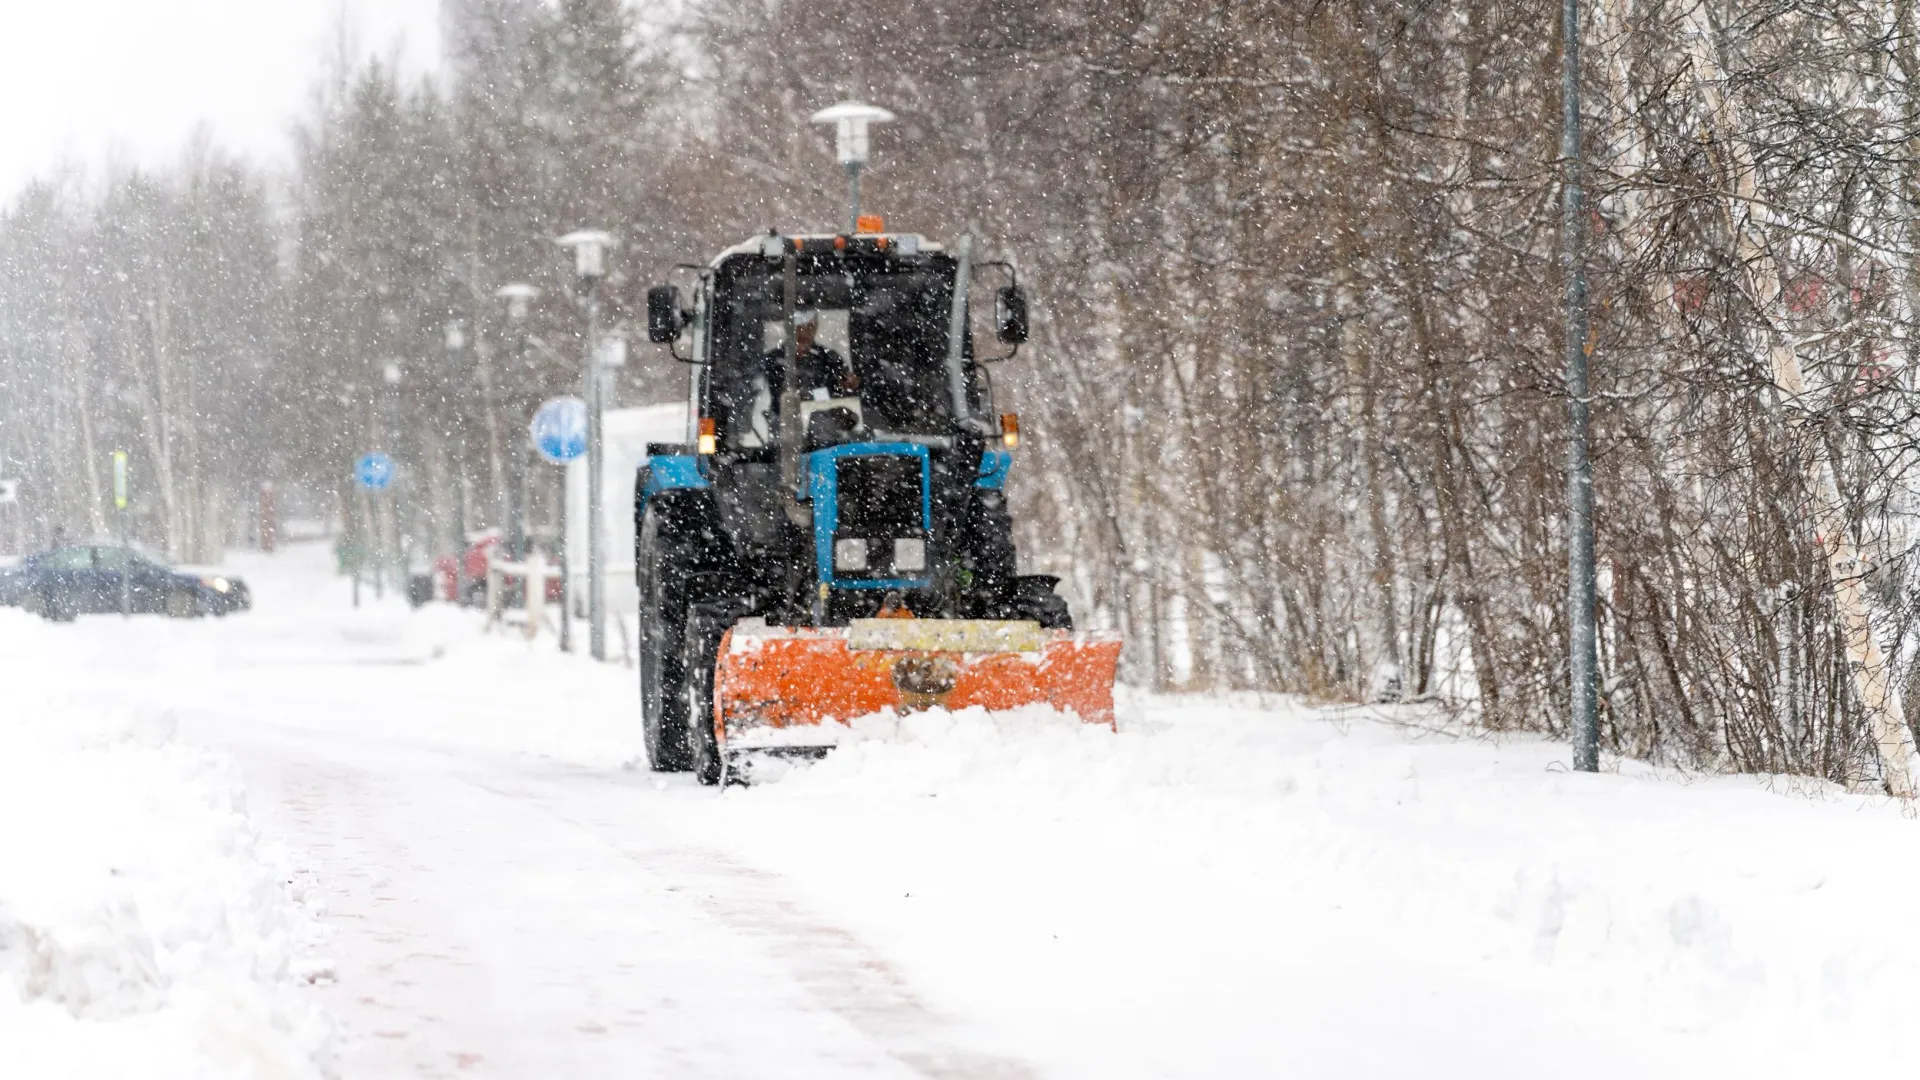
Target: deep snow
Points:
x,y
1224,887
145,928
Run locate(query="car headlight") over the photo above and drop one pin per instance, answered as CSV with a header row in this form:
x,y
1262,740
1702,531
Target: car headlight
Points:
x,y
910,554
850,554
217,584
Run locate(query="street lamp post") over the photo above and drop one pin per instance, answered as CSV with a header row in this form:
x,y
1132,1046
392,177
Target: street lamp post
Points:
x,y
851,120
518,296
589,266
456,340
1583,696
391,373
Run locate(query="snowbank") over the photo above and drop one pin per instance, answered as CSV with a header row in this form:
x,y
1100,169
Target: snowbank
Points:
x,y
145,931
1216,870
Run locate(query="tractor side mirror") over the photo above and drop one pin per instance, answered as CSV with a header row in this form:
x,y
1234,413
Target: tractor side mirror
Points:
x,y
1010,314
663,314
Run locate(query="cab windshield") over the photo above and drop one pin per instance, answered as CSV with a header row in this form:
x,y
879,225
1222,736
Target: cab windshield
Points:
x,y
880,337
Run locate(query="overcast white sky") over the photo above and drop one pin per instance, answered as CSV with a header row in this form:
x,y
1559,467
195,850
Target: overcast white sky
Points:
x,y
81,77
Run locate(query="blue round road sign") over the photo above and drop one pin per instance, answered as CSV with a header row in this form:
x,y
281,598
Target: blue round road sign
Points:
x,y
559,429
374,471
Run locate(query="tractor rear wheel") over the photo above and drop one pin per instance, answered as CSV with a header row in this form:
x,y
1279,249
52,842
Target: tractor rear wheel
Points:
x,y
666,559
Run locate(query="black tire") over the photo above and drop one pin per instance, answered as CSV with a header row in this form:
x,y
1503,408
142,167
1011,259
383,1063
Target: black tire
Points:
x,y
183,604
1052,613
666,557
706,625
1036,600
57,605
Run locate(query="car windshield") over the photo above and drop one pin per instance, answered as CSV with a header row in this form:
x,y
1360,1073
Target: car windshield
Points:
x,y
100,556
66,558
883,329
147,555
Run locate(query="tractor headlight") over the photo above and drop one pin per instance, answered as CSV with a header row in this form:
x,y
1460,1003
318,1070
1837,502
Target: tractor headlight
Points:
x,y
850,554
910,554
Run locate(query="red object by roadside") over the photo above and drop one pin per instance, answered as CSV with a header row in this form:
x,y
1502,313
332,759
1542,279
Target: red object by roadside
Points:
x,y
447,576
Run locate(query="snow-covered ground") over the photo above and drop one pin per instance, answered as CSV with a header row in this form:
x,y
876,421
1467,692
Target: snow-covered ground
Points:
x,y
146,930
450,856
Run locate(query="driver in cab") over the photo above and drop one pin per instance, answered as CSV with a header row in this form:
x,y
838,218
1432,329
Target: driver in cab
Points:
x,y
823,372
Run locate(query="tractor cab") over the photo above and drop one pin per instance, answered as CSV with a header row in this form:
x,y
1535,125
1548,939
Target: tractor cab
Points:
x,y
838,410
871,329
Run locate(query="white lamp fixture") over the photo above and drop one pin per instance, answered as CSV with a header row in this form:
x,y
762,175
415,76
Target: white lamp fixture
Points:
x,y
589,252
851,119
518,295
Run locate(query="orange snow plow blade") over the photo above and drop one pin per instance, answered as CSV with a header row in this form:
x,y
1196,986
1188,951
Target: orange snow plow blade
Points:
x,y
776,685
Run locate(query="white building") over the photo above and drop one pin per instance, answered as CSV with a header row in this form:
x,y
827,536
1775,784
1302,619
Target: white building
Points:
x,y
625,435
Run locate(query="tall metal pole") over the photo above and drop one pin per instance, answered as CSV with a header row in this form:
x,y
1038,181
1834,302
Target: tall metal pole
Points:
x,y
517,469
121,481
1584,716
596,583
393,492
456,391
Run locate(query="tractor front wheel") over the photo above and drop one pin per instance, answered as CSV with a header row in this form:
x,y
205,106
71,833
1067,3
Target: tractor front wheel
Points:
x,y
666,558
706,625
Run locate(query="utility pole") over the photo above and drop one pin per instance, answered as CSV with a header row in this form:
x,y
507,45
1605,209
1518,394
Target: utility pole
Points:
x,y
1584,713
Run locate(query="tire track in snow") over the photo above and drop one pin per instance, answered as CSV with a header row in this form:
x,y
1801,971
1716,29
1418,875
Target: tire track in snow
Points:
x,y
493,919
841,972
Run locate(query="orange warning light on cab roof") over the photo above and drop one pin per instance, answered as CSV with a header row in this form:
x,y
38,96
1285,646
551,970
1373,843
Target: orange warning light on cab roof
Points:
x,y
869,223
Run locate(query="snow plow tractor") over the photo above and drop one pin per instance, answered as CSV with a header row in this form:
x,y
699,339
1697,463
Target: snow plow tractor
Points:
x,y
833,540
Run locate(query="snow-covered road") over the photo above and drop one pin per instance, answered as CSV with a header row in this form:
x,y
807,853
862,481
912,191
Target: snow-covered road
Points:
x,y
532,919
1221,890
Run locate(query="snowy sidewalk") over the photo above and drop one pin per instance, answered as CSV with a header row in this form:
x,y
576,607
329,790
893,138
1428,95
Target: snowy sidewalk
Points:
x,y
145,928
1222,889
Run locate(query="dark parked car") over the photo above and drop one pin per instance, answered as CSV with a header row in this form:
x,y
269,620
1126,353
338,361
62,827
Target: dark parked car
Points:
x,y
13,582
80,578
